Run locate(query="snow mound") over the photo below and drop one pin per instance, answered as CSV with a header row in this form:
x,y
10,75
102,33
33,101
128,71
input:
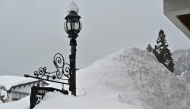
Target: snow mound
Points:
x,y
128,79
23,103
133,77
73,7
70,102
56,100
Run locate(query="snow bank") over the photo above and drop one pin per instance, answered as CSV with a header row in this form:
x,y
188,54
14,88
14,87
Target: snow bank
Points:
x,y
56,100
23,103
59,101
133,77
128,79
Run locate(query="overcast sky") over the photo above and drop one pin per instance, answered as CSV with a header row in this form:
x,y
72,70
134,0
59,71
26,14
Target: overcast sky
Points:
x,y
31,31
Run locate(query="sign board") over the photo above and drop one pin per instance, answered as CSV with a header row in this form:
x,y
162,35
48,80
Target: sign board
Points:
x,y
37,94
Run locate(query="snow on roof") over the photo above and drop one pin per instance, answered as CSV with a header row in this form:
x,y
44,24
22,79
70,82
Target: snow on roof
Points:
x,y
73,7
8,81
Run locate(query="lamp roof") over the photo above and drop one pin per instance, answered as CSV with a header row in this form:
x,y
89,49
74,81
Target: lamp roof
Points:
x,y
72,14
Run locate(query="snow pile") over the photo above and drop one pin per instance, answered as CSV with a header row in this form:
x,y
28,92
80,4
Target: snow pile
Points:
x,y
134,77
57,100
23,103
128,79
73,7
69,102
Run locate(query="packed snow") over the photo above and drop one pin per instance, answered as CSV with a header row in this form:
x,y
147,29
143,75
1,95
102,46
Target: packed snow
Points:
x,y
57,100
23,103
128,79
73,7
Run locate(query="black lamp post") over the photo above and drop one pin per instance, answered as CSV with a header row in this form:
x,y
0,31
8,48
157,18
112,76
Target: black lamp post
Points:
x,y
72,26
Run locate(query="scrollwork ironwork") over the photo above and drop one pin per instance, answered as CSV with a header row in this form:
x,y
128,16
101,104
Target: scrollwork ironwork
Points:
x,y
62,69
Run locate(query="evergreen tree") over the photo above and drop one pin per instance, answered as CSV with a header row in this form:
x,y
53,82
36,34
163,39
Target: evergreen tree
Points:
x,y
149,48
162,52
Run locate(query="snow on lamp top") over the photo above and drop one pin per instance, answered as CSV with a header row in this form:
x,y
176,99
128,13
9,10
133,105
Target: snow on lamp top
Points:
x,y
73,7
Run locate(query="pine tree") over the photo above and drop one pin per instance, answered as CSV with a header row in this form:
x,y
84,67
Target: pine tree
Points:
x,y
149,48
162,52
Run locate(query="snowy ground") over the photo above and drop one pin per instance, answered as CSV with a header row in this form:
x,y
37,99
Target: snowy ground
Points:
x,y
128,79
59,101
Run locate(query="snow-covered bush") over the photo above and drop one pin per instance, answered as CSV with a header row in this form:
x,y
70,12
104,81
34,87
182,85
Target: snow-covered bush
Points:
x,y
3,96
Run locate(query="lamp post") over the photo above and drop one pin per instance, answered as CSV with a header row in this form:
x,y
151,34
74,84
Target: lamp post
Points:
x,y
72,27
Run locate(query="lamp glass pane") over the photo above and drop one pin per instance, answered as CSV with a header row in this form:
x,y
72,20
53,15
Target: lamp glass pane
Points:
x,y
65,26
68,26
75,26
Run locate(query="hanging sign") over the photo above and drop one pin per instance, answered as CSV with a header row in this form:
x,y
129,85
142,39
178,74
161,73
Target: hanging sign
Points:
x,y
37,94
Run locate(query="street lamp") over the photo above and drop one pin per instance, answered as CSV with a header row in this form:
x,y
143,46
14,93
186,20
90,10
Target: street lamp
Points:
x,y
72,27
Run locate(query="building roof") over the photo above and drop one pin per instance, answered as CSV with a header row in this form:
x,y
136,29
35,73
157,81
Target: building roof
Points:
x,y
178,12
8,81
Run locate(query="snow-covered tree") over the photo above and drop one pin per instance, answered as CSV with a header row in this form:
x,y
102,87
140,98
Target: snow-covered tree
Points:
x,y
149,48
3,96
182,61
162,52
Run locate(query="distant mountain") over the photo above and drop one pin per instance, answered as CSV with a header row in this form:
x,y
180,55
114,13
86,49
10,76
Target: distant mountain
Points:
x,y
182,61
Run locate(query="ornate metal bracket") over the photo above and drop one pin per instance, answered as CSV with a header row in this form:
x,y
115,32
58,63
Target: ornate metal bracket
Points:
x,y
62,69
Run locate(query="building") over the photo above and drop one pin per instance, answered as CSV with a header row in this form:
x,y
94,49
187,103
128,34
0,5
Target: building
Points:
x,y
17,87
178,12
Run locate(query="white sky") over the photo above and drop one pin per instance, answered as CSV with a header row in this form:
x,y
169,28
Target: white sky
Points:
x,y
31,31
